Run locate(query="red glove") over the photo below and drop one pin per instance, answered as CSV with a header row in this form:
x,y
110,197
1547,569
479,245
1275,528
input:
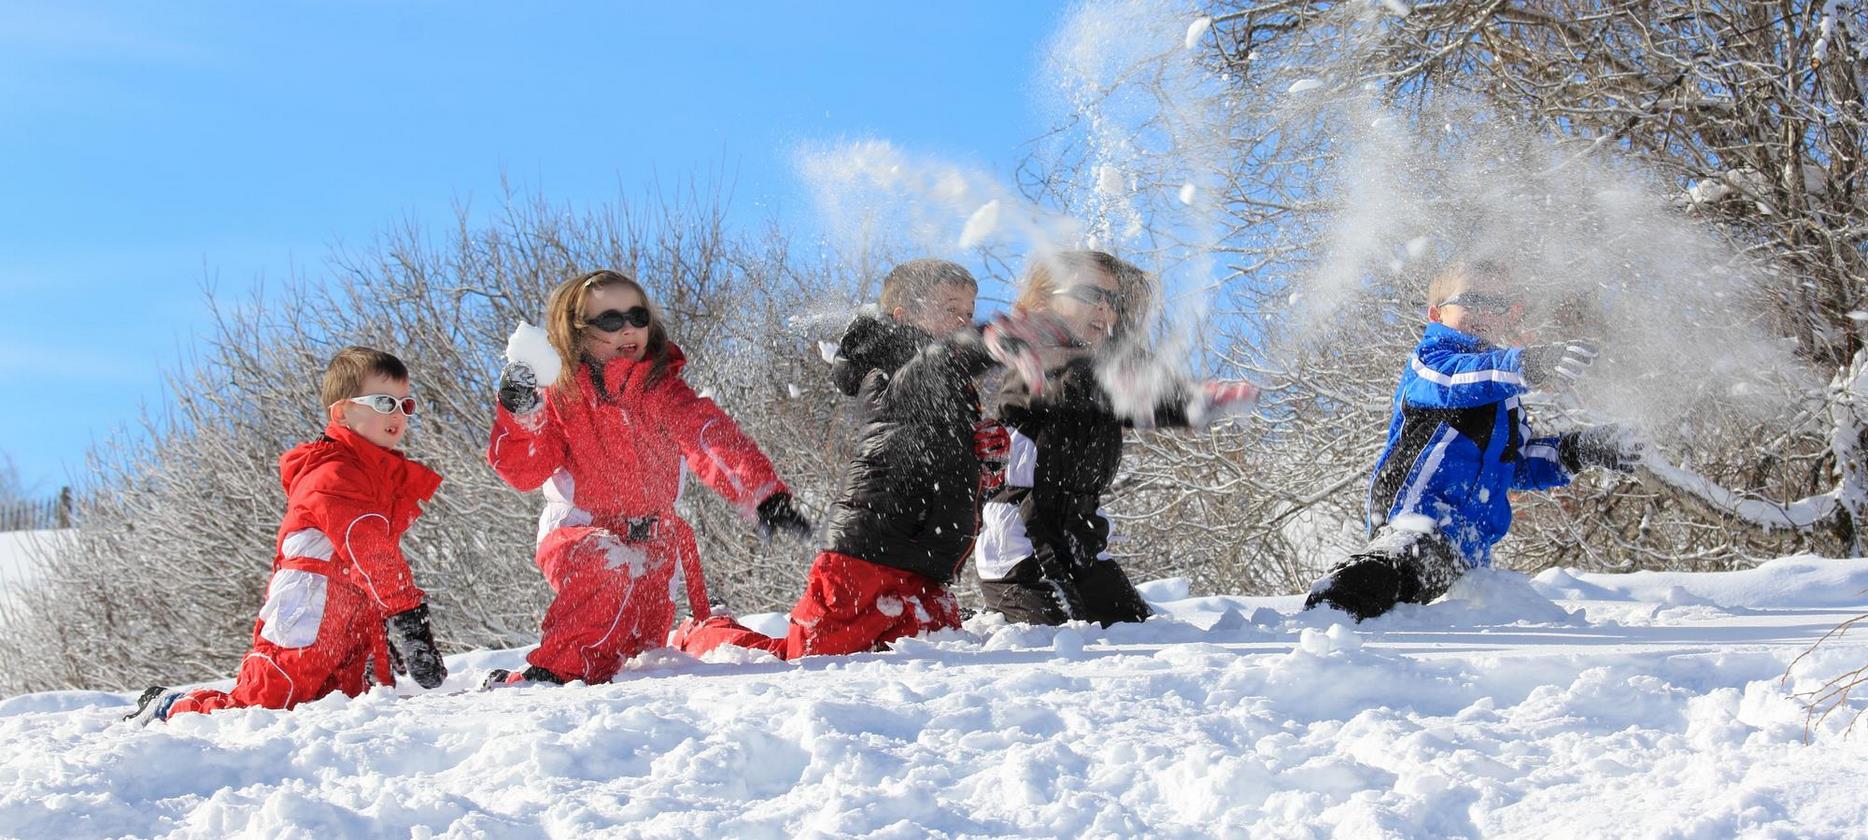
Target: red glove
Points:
x,y
991,442
1224,399
1013,341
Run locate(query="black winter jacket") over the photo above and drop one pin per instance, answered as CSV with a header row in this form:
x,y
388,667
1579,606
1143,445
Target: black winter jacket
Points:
x,y
1066,448
912,493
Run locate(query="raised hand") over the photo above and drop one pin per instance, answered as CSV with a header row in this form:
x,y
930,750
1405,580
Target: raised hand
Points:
x,y
1014,340
518,389
1567,359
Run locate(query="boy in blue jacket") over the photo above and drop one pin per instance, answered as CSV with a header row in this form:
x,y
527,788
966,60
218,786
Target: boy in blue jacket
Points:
x,y
1459,444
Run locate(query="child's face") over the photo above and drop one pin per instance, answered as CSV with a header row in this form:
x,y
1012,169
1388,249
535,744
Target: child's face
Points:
x,y
948,308
384,430
1086,305
1487,310
630,342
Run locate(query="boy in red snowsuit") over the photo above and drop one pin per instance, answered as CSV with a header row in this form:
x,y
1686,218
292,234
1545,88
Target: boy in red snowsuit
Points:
x,y
607,442
340,588
910,507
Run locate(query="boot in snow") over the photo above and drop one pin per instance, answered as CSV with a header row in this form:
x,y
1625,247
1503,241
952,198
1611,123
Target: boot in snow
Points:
x,y
533,675
153,705
1363,586
1398,567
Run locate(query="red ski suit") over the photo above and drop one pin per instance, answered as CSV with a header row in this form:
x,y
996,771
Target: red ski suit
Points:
x,y
337,574
850,605
608,539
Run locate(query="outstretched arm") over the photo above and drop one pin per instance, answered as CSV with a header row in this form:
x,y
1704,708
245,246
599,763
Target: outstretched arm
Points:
x,y
1540,466
715,449
1446,378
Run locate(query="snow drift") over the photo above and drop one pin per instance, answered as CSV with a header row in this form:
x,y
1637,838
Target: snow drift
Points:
x,y
1638,705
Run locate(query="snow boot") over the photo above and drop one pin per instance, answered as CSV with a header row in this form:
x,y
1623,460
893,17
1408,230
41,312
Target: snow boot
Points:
x,y
1363,586
1397,567
153,705
532,675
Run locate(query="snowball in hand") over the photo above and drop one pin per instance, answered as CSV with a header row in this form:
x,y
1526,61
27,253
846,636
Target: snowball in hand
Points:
x,y
529,346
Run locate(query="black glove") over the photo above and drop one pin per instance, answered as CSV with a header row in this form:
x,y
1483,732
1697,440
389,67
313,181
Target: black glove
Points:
x,y
412,647
1567,359
518,389
776,516
1608,446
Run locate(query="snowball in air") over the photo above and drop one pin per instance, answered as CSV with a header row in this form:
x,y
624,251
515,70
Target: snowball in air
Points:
x,y
1187,192
530,346
980,225
1304,85
1108,180
1197,30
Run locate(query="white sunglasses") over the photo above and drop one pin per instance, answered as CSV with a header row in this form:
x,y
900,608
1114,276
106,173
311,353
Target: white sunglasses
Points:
x,y
386,403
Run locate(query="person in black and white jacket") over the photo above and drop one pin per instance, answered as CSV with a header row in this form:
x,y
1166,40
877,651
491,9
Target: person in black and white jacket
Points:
x,y
1042,553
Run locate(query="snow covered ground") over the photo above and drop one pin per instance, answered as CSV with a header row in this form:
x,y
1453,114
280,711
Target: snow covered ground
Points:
x,y
1569,705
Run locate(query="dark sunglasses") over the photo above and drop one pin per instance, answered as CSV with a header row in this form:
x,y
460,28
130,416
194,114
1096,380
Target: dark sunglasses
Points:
x,y
387,403
1482,302
1091,295
612,320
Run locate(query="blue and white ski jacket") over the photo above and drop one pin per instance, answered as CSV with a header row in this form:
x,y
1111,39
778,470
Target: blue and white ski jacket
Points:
x,y
1459,443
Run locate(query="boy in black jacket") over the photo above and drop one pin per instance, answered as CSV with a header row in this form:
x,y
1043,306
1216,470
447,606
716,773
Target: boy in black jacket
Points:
x,y
910,508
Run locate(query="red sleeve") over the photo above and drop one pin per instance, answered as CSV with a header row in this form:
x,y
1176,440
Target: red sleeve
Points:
x,y
715,449
359,528
525,451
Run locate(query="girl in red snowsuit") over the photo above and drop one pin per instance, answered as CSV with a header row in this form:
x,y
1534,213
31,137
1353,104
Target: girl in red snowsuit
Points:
x,y
607,442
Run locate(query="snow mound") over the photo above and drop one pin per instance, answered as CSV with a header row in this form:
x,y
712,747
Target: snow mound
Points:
x,y
1498,712
1803,580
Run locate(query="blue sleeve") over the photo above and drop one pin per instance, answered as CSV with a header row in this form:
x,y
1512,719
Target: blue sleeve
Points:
x,y
1538,467
1451,379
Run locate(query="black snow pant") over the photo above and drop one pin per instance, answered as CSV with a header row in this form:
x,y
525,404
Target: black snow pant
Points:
x,y
1396,567
1096,591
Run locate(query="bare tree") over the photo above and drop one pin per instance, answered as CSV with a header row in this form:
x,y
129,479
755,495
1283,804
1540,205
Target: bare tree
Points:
x,y
1680,180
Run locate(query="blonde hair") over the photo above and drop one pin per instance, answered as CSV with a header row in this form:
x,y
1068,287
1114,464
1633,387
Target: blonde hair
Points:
x,y
911,284
1049,274
564,325
343,377
1460,275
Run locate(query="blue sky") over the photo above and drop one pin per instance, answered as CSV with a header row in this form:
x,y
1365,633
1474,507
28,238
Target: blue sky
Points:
x,y
152,148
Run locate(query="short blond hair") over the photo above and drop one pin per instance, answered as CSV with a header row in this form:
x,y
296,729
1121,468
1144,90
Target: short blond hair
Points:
x,y
911,285
1460,275
343,377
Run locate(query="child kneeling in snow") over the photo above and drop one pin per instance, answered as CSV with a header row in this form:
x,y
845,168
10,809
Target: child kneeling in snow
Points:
x,y
607,441
1459,443
340,587
910,504
1042,554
